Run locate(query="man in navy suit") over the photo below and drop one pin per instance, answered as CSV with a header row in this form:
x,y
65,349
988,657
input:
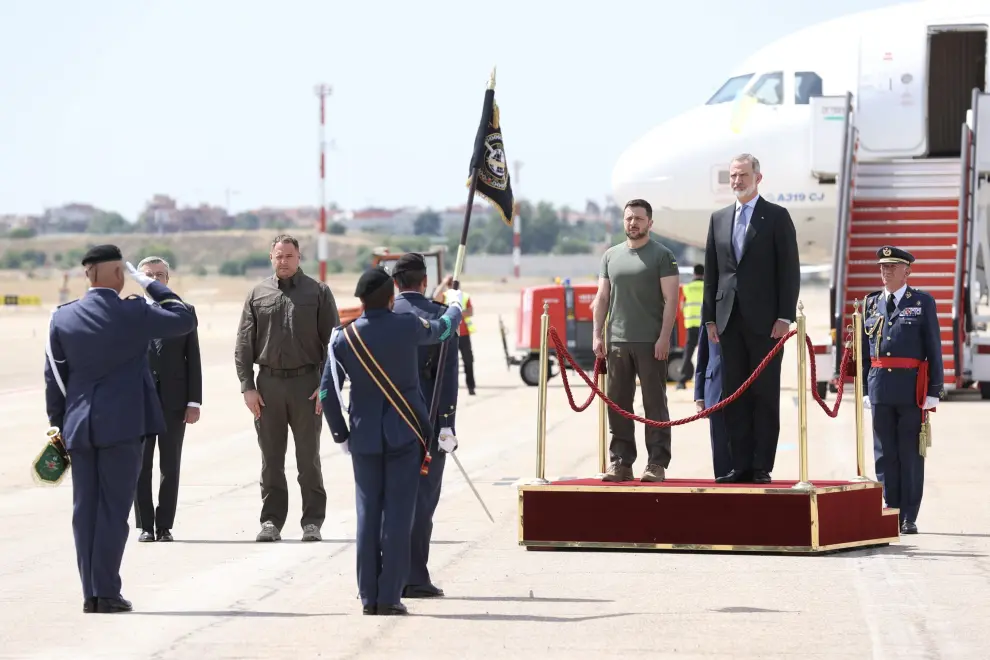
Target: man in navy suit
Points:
x,y
100,393
708,392
410,275
389,430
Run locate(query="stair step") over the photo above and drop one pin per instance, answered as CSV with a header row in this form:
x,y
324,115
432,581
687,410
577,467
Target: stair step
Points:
x,y
904,240
880,203
942,193
918,226
906,214
910,167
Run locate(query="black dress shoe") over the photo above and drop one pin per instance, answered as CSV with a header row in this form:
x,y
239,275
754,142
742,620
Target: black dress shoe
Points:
x,y
422,591
734,477
165,535
761,477
909,528
113,605
392,610
370,609
146,537
89,605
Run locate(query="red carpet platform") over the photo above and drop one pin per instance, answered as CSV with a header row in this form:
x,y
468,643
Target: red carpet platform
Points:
x,y
681,514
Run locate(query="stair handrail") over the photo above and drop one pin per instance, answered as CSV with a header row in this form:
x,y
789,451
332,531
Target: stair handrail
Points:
x,y
841,243
965,193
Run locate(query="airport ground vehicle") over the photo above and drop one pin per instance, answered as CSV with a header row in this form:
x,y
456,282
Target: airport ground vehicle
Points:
x,y
381,256
570,313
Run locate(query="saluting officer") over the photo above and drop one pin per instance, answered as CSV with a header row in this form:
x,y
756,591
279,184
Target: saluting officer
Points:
x,y
903,380
389,432
410,275
100,393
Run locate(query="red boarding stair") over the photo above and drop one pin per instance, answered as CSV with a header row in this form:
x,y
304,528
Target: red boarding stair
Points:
x,y
914,205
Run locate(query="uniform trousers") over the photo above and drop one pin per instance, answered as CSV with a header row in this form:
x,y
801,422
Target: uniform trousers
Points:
x,y
288,405
385,488
899,466
624,362
104,481
427,498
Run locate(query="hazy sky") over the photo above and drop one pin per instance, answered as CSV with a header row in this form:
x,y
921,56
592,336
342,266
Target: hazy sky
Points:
x,y
111,101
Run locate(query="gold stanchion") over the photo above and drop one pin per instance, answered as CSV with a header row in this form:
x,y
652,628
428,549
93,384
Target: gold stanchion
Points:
x,y
857,345
541,412
602,413
803,483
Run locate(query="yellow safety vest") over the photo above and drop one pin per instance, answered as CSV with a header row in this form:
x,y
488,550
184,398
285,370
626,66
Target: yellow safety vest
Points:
x,y
694,293
466,321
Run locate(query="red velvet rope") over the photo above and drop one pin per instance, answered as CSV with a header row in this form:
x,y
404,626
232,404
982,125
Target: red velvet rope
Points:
x,y
561,351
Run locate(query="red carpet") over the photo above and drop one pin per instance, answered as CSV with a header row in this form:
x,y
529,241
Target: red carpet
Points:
x,y
698,514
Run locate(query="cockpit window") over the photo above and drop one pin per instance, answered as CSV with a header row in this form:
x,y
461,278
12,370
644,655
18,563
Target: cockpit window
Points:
x,y
806,85
769,89
730,90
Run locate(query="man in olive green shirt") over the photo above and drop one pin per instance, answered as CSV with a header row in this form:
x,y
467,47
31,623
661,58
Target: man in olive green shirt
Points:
x,y
637,289
285,329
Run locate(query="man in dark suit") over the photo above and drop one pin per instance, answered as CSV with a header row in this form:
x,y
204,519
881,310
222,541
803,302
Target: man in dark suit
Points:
x,y
388,433
410,275
178,373
99,392
707,393
752,281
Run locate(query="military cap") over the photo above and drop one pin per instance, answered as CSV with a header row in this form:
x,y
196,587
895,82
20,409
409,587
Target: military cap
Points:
x,y
371,280
409,262
889,254
99,254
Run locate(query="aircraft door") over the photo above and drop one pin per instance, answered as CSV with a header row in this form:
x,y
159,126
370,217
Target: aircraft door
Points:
x,y
891,94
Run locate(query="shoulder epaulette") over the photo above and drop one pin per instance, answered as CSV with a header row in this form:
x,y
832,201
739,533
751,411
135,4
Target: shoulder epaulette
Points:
x,y
133,296
66,303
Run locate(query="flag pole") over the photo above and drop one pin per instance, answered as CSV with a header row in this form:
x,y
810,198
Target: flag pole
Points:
x,y
458,269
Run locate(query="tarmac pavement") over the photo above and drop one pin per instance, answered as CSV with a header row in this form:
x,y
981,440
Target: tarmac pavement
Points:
x,y
215,593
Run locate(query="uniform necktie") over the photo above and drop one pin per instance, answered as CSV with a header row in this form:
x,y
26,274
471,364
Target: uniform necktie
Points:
x,y
890,305
739,232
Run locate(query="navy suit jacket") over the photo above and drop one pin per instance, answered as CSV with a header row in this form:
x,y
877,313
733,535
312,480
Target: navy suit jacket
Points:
x,y
394,341
416,303
708,375
99,344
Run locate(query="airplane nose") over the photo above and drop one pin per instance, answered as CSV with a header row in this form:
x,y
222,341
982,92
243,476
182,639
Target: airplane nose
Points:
x,y
644,165
670,165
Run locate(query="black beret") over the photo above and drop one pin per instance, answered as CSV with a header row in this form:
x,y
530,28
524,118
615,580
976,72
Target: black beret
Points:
x,y
99,254
371,280
889,254
409,262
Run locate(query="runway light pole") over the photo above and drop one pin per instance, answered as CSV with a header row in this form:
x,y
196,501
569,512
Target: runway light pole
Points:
x,y
322,249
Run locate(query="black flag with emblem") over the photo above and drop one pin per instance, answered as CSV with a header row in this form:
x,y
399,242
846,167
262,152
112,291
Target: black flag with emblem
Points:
x,y
489,161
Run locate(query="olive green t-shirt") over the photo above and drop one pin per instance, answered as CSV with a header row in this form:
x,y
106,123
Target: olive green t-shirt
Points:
x,y
635,306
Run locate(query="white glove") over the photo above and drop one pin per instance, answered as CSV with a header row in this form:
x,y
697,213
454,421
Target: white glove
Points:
x,y
455,298
447,440
866,403
139,277
930,402
344,447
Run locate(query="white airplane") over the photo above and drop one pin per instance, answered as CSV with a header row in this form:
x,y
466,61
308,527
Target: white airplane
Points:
x,y
681,166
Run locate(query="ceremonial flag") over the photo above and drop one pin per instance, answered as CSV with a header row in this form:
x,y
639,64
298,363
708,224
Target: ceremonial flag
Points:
x,y
489,161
